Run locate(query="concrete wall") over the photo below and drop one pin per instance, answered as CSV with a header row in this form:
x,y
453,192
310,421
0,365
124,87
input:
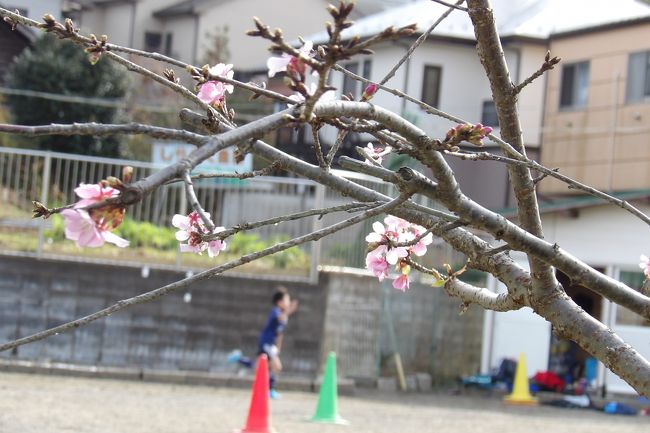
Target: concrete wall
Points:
x,y
225,313
430,335
344,313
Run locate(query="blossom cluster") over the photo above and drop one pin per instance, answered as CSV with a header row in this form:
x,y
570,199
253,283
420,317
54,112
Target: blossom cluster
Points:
x,y
213,92
296,70
392,244
377,153
192,230
467,132
92,228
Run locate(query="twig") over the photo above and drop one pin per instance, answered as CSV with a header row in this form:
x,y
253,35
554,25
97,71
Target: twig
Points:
x,y
318,150
573,184
350,207
429,109
549,63
165,290
194,201
419,41
455,6
340,136
420,268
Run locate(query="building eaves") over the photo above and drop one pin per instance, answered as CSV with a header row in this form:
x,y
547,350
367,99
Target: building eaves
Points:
x,y
523,20
578,202
187,7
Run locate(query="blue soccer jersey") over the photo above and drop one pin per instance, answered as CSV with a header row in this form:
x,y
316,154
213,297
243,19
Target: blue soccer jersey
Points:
x,y
274,327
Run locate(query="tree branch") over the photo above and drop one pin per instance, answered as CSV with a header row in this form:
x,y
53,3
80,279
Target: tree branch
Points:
x,y
481,296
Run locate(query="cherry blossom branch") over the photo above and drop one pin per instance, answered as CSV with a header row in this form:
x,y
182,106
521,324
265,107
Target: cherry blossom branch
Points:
x,y
194,201
350,207
419,40
483,297
572,184
170,288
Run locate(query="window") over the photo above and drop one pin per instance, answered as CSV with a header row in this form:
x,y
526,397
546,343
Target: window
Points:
x,y
168,44
152,41
636,280
638,77
489,114
575,81
350,85
431,85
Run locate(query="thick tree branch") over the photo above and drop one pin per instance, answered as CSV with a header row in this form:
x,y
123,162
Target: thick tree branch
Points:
x,y
481,296
492,57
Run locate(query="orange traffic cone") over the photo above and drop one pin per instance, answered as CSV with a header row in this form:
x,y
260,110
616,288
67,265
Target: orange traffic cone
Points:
x,y
520,390
259,419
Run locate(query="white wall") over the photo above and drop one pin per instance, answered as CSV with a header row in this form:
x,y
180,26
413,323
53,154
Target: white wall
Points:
x,y
295,18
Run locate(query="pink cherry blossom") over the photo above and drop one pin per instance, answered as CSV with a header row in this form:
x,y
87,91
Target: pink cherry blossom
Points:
x,y
92,193
377,153
225,71
645,265
376,262
212,92
191,229
402,282
289,63
87,232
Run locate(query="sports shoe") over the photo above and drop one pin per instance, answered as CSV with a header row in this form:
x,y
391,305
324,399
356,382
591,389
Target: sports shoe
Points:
x,y
274,395
234,356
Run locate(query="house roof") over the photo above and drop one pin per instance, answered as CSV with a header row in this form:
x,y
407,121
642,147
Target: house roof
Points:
x,y
186,7
578,202
534,19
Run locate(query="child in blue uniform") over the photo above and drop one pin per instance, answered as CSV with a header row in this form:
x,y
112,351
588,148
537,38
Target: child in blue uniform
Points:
x,y
270,341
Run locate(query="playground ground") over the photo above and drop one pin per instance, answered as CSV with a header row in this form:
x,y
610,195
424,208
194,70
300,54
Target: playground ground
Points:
x,y
32,403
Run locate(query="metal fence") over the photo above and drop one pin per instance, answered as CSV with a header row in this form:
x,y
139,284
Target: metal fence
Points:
x,y
51,177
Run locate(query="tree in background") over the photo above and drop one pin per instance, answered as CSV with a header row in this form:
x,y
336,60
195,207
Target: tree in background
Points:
x,y
57,67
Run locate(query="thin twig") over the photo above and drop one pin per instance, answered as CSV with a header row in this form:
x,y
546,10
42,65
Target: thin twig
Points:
x,y
318,150
429,109
194,201
572,184
549,63
420,268
350,207
450,5
419,41
165,290
340,136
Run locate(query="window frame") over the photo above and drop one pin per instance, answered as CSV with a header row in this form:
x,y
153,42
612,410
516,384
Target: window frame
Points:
x,y
574,103
438,85
644,75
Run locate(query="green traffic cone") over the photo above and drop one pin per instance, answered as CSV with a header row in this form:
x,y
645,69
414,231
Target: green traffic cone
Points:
x,y
327,410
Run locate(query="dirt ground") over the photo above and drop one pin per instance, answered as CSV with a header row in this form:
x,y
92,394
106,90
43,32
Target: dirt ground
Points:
x,y
54,404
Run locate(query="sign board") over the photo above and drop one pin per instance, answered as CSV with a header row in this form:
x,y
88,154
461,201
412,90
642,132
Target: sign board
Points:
x,y
169,152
